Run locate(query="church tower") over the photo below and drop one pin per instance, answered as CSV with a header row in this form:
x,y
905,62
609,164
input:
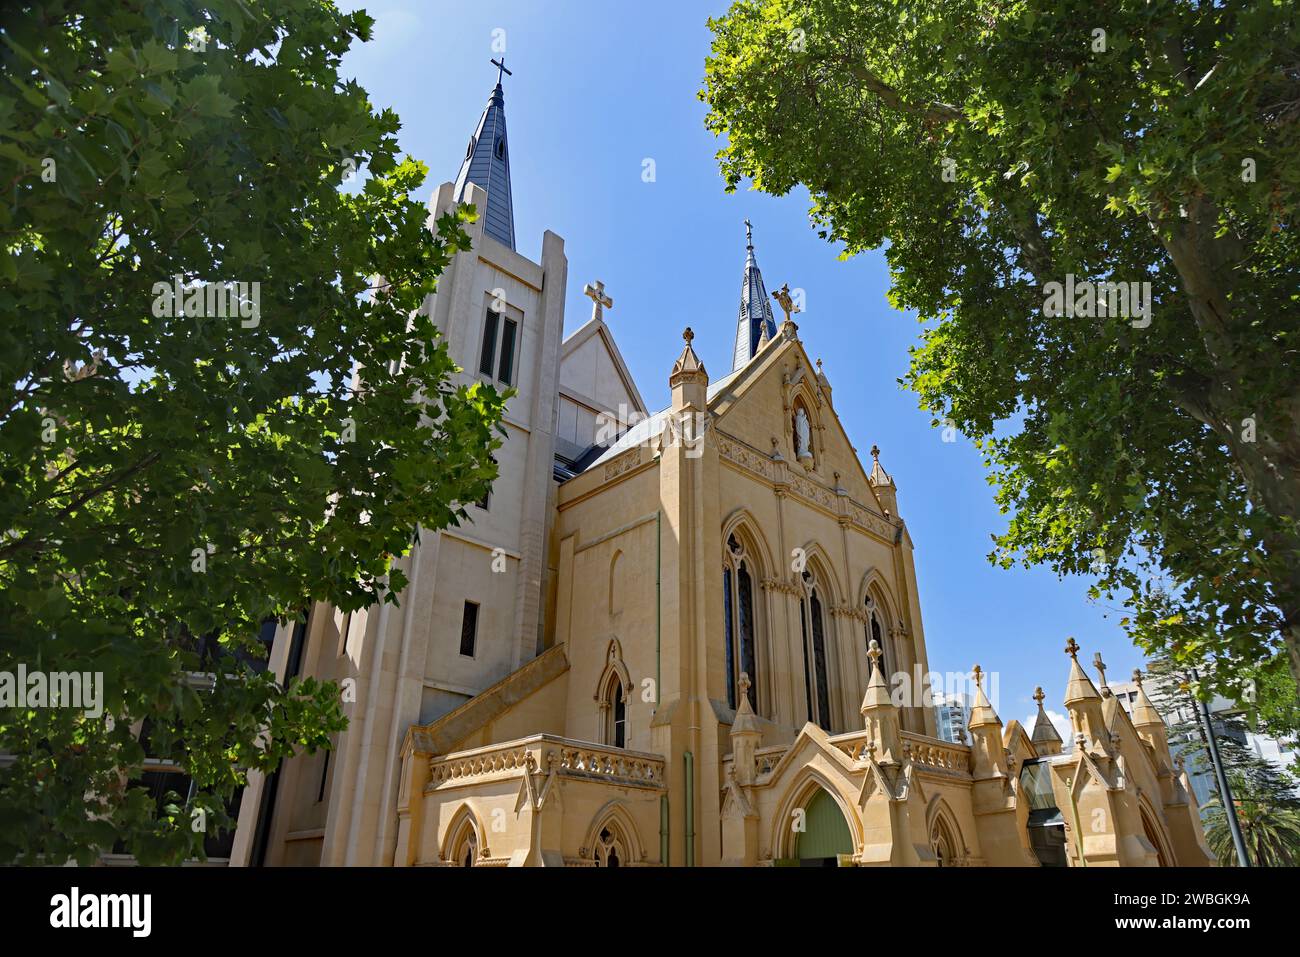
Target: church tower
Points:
x,y
472,612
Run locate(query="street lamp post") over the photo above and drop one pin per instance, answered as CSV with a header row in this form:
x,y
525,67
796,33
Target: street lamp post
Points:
x,y
1225,792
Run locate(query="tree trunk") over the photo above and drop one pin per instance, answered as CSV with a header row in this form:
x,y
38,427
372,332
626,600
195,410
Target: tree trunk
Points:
x,y
1269,459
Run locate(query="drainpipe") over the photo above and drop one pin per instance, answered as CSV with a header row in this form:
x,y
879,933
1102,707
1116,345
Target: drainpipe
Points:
x,y
663,830
690,807
659,553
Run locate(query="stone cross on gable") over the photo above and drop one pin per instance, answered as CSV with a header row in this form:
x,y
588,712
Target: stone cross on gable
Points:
x,y
1039,696
1101,668
599,301
785,301
1072,648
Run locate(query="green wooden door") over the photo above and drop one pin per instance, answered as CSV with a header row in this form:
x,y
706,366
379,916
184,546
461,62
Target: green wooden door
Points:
x,y
826,835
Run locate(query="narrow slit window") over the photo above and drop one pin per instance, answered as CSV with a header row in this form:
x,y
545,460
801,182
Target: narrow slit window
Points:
x,y
505,371
469,629
489,343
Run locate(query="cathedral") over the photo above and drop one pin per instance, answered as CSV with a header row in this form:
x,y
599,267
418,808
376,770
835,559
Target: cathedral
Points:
x,y
681,637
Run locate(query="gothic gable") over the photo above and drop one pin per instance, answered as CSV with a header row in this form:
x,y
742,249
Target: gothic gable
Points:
x,y
780,407
596,390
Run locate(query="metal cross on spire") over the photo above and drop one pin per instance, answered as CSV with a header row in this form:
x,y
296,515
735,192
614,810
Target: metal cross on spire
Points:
x,y
749,234
501,68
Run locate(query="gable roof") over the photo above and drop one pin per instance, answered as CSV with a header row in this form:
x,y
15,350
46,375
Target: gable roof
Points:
x,y
597,327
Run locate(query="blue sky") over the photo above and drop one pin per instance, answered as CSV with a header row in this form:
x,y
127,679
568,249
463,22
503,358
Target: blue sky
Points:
x,y
598,88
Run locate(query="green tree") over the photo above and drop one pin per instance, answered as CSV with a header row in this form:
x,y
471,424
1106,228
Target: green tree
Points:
x,y
166,474
997,148
1269,829
1272,706
1266,800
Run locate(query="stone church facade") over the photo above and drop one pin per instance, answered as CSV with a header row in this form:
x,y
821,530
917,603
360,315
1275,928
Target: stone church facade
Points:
x,y
691,637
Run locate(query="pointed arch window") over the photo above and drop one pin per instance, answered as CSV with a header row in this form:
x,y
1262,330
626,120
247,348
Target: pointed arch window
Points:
x,y
614,706
738,621
465,846
945,846
875,629
816,679
610,849
618,717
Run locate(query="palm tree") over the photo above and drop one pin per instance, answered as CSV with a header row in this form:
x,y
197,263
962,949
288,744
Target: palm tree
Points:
x,y
1270,829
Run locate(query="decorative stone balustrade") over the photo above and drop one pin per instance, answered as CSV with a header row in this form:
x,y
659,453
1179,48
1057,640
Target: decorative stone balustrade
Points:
x,y
481,763
853,744
929,754
936,754
542,753
767,758
609,764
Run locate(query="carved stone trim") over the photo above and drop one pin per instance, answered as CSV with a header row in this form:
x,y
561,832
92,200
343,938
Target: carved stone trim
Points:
x,y
624,462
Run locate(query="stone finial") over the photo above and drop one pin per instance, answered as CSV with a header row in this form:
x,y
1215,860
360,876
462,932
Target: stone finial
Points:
x,y
1080,686
689,368
689,379
981,712
875,451
880,716
1144,713
745,734
874,652
1045,737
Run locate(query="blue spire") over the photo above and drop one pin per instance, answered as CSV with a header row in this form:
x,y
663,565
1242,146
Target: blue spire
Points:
x,y
487,165
755,311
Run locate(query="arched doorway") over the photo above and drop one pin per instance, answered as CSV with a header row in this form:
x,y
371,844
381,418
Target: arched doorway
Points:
x,y
1153,837
825,837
